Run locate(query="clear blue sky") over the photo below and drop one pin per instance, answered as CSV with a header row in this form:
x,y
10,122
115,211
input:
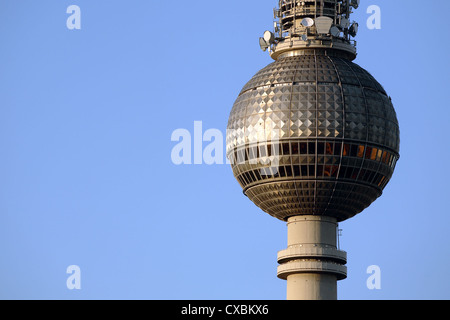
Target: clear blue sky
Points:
x,y
86,118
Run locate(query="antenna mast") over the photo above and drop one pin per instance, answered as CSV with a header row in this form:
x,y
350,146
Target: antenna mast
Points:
x,y
312,24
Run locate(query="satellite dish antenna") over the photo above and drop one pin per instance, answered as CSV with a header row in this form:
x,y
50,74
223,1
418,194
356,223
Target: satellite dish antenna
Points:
x,y
269,37
335,32
307,22
323,24
353,29
355,3
263,44
304,37
345,23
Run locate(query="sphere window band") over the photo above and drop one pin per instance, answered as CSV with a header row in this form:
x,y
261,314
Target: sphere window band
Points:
x,y
329,164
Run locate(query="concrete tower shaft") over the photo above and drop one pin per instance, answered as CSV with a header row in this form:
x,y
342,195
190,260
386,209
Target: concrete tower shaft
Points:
x,y
312,263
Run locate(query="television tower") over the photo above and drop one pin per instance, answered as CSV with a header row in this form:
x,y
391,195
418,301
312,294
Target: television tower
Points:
x,y
313,139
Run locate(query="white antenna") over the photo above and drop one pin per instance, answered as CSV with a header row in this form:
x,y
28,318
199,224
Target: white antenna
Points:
x,y
267,40
263,44
307,22
323,24
269,37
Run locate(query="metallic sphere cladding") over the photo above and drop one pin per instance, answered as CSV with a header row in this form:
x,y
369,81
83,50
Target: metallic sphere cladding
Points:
x,y
313,134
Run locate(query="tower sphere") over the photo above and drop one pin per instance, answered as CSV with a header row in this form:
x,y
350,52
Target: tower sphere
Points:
x,y
313,134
